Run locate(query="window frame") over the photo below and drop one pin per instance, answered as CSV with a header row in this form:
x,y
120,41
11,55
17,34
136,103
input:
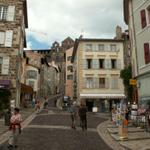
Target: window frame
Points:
x,y
103,83
101,47
101,64
88,47
89,63
3,12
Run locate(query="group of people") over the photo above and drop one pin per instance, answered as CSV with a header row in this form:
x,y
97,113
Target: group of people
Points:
x,y
76,111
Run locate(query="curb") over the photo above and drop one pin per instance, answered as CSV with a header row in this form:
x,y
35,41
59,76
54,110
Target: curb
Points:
x,y
104,134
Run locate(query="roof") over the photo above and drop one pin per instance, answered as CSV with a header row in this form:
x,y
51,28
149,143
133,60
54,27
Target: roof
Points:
x,y
68,39
126,11
77,41
25,13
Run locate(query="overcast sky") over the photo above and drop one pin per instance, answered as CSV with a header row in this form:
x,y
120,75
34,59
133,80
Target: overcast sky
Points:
x,y
54,20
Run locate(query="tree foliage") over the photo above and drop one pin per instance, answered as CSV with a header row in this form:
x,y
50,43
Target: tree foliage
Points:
x,y
4,99
126,75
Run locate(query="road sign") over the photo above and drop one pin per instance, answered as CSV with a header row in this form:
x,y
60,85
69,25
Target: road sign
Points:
x,y
132,82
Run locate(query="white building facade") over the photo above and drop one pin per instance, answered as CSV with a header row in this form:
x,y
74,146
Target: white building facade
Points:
x,y
137,16
98,66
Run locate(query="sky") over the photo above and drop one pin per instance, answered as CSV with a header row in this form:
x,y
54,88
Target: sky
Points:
x,y
55,20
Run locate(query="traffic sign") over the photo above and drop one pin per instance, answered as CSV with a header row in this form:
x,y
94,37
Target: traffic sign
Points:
x,y
132,82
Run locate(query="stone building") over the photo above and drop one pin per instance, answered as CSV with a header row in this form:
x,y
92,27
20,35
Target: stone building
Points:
x,y
69,74
97,64
137,17
13,21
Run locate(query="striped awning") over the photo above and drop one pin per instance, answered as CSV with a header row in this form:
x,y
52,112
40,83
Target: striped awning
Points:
x,y
110,96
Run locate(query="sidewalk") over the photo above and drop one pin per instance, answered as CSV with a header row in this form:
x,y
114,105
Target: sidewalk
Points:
x,y
27,115
137,139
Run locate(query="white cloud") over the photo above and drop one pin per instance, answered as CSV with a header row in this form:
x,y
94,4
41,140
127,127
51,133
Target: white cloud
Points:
x,y
51,20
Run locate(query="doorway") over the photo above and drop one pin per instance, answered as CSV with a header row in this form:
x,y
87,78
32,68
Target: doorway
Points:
x,y
89,105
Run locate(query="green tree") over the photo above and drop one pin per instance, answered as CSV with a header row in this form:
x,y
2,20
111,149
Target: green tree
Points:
x,y
4,99
126,75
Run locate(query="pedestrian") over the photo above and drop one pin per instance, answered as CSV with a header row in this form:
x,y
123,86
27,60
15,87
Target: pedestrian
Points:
x,y
15,128
33,102
73,114
45,106
82,114
38,106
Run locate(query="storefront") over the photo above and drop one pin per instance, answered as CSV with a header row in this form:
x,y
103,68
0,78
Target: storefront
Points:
x,y
26,95
104,102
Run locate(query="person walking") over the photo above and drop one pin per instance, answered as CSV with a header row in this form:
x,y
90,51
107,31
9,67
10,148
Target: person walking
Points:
x,y
15,128
73,114
45,106
38,106
82,114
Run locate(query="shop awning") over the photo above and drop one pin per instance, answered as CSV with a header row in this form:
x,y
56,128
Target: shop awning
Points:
x,y
110,96
26,89
5,84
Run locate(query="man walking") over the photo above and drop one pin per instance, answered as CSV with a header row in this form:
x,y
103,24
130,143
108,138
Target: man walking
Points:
x,y
73,114
82,114
15,128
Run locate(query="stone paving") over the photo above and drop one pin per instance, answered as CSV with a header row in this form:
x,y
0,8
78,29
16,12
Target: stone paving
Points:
x,y
52,131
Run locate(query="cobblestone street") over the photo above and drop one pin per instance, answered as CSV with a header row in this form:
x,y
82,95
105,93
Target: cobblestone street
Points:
x,y
52,131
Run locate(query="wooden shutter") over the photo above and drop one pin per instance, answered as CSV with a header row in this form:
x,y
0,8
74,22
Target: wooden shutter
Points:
x,y
143,18
8,38
95,64
107,83
147,53
2,37
106,64
5,65
84,64
109,64
10,13
118,64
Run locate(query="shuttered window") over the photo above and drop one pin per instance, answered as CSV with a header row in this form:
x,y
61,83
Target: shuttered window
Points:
x,y
7,13
114,83
143,18
6,38
2,38
89,82
146,53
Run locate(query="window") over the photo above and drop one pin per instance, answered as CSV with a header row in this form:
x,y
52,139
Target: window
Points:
x,y
101,63
89,82
70,68
7,13
113,63
147,53
6,38
143,18
101,47
88,47
89,63
3,12
31,83
1,60
113,48
101,82
32,74
69,77
2,38
69,58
